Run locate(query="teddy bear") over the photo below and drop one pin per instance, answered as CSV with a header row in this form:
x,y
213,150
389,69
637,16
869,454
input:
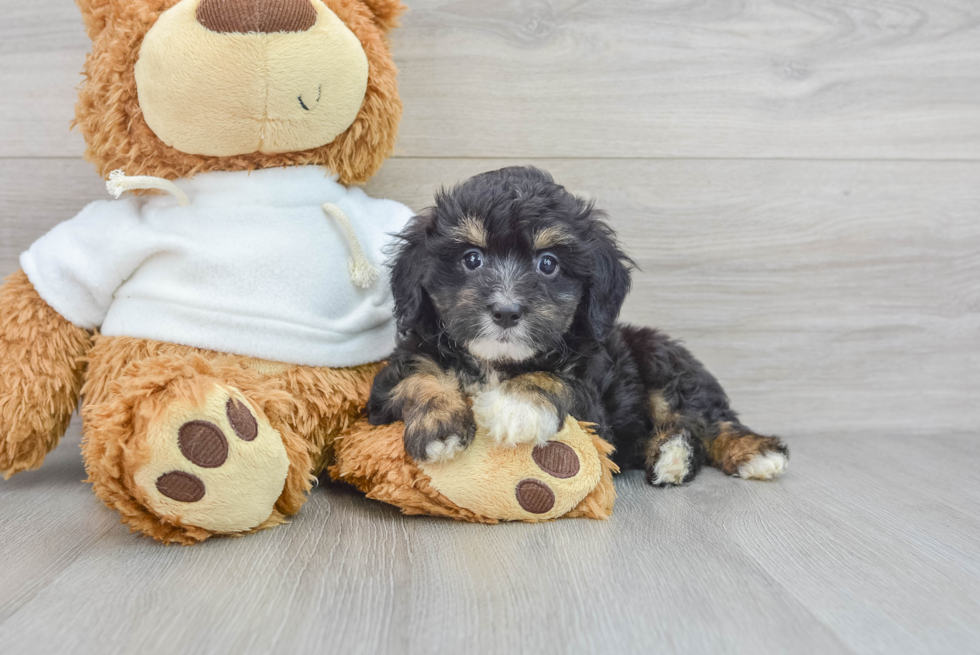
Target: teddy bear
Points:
x,y
222,320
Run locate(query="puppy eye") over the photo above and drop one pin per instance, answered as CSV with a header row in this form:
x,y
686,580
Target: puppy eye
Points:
x,y
548,264
473,259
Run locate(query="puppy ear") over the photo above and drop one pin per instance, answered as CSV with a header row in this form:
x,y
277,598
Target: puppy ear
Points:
x,y
610,280
408,272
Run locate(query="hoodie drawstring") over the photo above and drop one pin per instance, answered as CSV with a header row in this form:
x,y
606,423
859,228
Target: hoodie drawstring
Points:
x,y
362,273
119,183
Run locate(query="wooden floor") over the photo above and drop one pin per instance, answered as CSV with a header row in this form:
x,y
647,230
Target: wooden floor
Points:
x,y
800,184
871,544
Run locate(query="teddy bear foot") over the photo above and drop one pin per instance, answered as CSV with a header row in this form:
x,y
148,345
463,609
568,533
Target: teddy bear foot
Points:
x,y
186,447
569,475
219,466
526,482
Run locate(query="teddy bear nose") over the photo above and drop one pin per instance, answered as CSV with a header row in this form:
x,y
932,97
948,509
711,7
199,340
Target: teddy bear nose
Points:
x,y
260,16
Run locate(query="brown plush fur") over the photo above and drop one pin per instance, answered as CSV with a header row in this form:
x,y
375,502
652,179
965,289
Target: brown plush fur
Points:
x,y
373,459
109,116
386,12
131,382
40,375
599,503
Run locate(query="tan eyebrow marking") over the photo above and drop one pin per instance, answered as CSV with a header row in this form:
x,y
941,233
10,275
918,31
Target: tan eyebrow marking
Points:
x,y
552,236
471,231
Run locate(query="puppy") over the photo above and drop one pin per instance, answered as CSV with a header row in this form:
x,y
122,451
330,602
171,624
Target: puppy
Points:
x,y
507,294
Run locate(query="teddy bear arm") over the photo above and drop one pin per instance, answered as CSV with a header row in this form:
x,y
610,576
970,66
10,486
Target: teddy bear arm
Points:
x,y
41,365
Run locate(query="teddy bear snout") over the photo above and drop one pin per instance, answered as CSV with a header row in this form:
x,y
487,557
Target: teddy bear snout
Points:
x,y
261,16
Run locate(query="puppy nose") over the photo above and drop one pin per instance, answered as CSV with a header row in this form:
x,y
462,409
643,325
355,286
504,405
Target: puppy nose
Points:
x,y
262,16
506,315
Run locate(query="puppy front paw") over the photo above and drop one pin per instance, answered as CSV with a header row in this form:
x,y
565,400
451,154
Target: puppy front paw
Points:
x,y
438,436
513,419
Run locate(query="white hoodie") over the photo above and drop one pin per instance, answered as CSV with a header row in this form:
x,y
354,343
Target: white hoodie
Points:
x,y
253,266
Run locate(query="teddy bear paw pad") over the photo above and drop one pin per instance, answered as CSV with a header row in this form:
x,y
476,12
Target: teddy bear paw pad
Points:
x,y
556,459
535,496
217,465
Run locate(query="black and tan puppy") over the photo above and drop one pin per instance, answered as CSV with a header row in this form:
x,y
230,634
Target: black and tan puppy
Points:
x,y
507,294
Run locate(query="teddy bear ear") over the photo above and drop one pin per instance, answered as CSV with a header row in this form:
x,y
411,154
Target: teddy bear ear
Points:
x,y
386,12
95,13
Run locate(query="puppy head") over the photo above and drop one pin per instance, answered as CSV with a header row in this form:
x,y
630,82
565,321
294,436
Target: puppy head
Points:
x,y
508,264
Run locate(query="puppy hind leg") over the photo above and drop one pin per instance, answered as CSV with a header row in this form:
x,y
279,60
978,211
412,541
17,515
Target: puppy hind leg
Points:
x,y
738,451
674,454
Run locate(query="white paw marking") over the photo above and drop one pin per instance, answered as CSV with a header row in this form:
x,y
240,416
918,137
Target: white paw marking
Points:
x,y
764,466
512,420
674,462
443,451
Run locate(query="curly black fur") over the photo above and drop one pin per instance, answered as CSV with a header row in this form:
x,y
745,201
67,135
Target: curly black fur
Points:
x,y
566,350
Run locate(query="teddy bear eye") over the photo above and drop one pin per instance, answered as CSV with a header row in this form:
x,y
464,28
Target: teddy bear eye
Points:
x,y
473,259
548,264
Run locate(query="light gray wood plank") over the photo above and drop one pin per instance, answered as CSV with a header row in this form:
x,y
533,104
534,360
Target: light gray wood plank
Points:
x,y
48,518
567,78
42,50
351,576
824,295
559,78
872,520
36,195
841,556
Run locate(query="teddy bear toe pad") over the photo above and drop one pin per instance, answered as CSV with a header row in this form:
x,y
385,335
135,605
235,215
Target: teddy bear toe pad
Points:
x,y
213,465
556,459
181,486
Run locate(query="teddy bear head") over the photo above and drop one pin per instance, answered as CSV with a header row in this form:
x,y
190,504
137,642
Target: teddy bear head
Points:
x,y
178,87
